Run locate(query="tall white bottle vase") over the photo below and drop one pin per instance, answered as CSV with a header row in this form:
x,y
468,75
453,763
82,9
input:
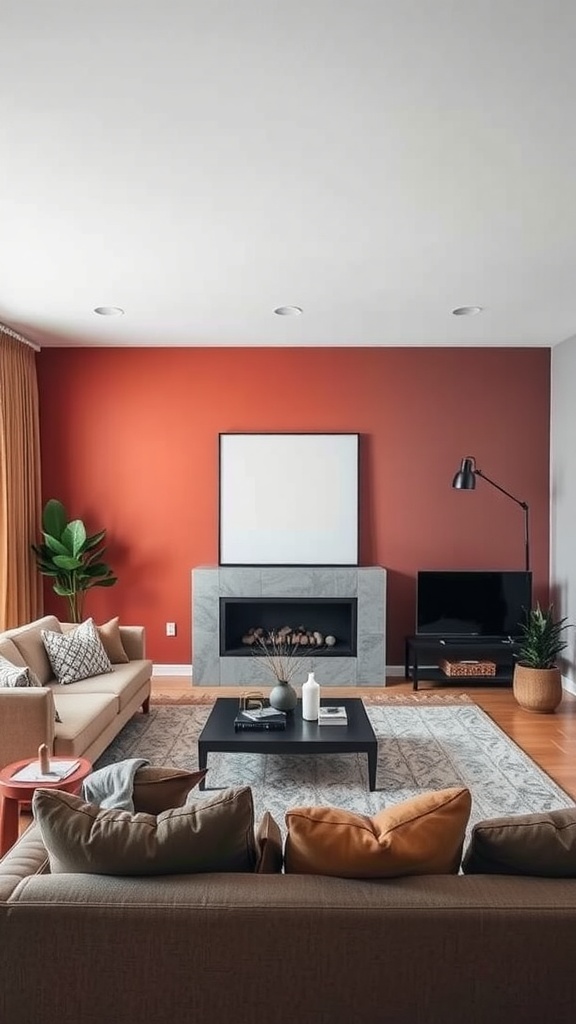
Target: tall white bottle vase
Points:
x,y
310,699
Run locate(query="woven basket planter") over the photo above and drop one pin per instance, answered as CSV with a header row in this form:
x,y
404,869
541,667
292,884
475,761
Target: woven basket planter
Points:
x,y
537,689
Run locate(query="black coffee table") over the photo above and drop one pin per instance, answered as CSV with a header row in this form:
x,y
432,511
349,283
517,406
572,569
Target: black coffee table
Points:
x,y
299,737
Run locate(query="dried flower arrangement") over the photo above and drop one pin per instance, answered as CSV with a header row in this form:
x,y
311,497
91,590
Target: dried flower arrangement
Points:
x,y
277,655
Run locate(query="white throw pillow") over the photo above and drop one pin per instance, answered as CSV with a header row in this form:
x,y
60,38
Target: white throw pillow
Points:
x,y
16,675
76,655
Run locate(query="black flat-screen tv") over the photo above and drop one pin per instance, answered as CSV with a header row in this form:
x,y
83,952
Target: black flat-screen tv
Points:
x,y
475,603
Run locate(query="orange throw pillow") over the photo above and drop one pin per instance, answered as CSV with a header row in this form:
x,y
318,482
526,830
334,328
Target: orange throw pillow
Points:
x,y
421,836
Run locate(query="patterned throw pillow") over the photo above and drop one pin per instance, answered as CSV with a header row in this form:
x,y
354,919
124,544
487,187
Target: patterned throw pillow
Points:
x,y
76,655
16,675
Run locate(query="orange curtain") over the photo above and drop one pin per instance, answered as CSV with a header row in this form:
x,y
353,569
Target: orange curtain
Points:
x,y
20,485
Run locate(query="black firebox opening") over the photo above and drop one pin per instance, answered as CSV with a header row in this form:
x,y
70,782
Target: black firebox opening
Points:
x,y
317,617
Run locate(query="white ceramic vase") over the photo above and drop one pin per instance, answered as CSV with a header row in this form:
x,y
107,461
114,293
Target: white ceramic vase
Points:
x,y
310,699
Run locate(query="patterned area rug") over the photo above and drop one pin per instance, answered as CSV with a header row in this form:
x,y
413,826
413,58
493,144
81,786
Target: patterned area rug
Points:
x,y
421,746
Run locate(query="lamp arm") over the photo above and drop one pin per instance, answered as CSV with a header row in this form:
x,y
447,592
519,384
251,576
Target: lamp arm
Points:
x,y
523,505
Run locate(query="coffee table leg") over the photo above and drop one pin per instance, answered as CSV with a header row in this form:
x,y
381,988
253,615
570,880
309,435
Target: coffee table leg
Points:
x,y
9,817
372,765
202,763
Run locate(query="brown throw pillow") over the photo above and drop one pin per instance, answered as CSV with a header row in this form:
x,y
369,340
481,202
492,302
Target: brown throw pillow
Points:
x,y
541,844
421,836
109,634
159,789
269,846
29,642
216,834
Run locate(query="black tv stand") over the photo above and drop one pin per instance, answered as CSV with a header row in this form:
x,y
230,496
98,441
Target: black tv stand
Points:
x,y
473,641
503,650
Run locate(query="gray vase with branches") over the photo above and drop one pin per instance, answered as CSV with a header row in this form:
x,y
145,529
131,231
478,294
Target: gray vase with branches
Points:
x,y
280,659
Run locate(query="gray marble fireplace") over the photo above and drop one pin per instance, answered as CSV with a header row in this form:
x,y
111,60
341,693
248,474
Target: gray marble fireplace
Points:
x,y
366,666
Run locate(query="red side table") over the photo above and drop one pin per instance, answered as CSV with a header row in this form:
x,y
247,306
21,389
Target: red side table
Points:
x,y
13,793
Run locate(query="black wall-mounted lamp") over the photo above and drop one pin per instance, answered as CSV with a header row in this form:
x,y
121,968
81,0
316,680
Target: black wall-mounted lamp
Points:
x,y
465,480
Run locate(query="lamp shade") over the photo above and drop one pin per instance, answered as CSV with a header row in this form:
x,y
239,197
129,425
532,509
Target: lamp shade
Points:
x,y
465,479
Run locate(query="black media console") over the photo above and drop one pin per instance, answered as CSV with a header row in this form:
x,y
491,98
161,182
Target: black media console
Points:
x,y
423,654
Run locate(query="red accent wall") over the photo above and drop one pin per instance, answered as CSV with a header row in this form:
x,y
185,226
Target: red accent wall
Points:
x,y
130,444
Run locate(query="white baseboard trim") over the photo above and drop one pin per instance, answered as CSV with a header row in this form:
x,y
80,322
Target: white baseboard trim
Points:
x,y
569,685
171,670
187,670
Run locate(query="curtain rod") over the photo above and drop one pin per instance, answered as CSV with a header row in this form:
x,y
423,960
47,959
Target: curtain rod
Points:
x,y
18,337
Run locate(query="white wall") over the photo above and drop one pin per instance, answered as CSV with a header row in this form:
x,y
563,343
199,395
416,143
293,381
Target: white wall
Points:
x,y
563,495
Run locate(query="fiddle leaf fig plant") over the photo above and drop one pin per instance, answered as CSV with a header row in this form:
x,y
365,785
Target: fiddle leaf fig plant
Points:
x,y
71,557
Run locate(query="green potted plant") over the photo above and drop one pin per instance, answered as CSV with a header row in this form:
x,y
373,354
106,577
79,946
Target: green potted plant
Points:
x,y
71,557
537,683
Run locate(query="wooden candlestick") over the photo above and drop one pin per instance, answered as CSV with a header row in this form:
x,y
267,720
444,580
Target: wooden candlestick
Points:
x,y
44,759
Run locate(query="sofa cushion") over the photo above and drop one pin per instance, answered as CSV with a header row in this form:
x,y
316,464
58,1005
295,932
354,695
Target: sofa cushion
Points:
x,y
123,682
158,789
77,654
28,640
109,634
269,846
82,720
542,844
215,834
16,675
9,651
423,835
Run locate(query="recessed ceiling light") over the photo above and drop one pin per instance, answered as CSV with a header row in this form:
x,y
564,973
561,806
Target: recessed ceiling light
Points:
x,y
466,310
109,311
288,311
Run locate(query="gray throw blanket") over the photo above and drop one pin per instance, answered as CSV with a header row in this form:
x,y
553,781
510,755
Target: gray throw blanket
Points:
x,y
113,786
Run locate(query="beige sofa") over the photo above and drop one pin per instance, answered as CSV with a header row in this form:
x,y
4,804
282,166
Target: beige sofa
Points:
x,y
91,712
255,949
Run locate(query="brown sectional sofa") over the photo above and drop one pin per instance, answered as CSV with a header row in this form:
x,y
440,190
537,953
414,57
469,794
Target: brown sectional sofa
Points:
x,y
242,948
92,711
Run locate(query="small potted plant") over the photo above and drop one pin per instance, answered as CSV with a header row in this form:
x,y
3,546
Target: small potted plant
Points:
x,y
537,683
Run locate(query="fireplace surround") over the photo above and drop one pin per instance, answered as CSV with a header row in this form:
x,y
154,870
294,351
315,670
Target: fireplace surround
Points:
x,y
358,600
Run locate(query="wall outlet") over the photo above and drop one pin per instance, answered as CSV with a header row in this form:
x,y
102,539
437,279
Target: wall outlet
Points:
x,y
170,629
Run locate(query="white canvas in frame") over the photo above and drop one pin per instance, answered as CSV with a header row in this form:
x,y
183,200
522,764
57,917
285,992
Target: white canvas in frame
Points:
x,y
289,499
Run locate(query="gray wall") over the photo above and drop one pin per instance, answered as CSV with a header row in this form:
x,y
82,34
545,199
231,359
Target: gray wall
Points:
x,y
563,495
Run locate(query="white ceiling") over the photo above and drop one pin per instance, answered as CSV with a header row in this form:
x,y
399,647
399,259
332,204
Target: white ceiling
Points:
x,y
201,162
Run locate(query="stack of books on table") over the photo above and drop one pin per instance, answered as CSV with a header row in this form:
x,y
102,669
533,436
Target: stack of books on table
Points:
x,y
260,718
332,715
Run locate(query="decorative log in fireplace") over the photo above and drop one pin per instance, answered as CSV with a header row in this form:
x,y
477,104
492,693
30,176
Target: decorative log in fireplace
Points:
x,y
289,636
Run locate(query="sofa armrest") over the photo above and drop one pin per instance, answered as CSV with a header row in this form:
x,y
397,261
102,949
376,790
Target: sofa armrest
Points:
x,y
26,720
134,641
27,857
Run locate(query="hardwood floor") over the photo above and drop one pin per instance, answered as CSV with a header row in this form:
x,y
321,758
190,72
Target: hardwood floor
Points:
x,y
550,740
